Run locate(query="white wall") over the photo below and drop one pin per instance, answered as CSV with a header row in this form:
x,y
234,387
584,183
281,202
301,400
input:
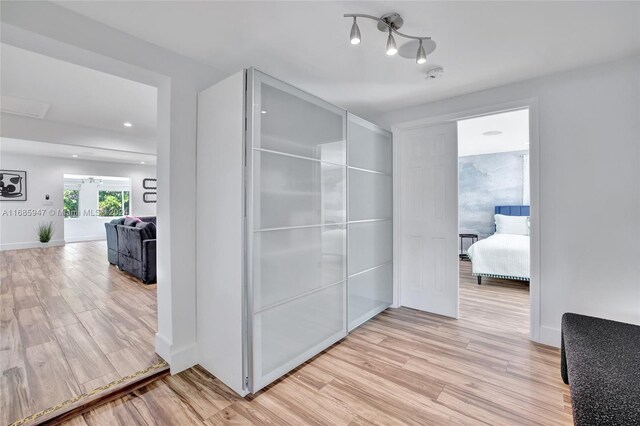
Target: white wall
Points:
x,y
45,175
589,127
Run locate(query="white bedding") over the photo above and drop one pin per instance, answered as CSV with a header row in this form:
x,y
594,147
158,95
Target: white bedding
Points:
x,y
503,255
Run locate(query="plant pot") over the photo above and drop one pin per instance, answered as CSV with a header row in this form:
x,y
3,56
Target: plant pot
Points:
x,y
44,245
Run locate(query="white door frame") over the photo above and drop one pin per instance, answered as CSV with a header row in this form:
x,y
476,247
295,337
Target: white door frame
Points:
x,y
534,179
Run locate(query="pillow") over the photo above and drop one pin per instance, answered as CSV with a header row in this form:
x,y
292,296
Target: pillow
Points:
x,y
515,225
131,221
119,221
147,229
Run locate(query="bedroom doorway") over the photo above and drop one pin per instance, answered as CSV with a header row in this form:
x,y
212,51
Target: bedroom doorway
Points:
x,y
427,267
494,218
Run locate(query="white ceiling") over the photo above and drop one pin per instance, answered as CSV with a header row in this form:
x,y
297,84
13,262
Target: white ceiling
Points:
x,y
26,147
79,95
514,136
481,44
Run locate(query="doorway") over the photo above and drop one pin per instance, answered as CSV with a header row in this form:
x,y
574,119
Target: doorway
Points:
x,y
493,218
426,229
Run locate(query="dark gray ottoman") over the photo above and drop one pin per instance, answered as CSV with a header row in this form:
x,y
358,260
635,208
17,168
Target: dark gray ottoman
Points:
x,y
601,364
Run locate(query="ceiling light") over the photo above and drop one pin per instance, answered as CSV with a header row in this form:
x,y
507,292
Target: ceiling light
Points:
x,y
127,124
74,155
492,133
421,57
264,111
391,23
355,33
142,162
392,48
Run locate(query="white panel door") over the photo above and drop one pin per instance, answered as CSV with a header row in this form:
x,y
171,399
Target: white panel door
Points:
x,y
428,227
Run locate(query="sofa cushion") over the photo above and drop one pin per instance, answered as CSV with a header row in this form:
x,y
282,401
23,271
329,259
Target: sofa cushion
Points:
x,y
147,229
601,364
119,221
130,221
148,219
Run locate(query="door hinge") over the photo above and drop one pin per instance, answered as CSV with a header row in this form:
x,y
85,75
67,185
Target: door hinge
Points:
x,y
246,382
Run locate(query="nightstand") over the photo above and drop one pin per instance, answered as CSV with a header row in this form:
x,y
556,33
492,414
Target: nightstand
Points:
x,y
473,238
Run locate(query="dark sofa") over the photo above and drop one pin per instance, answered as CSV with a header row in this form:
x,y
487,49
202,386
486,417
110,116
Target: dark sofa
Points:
x,y
601,364
131,245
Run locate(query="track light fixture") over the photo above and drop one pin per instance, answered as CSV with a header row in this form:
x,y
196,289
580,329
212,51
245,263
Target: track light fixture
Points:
x,y
355,32
391,22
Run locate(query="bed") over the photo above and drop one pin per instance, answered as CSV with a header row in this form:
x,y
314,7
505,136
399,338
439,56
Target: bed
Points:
x,y
503,255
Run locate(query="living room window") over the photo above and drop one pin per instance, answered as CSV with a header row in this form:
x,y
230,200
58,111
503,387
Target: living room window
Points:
x,y
113,202
71,199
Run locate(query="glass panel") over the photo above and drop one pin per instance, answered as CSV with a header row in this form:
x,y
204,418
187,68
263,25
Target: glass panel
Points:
x,y
369,149
370,244
290,191
297,328
370,195
294,122
369,292
288,263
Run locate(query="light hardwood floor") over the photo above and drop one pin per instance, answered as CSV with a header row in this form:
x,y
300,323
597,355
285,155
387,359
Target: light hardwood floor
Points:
x,y
70,323
403,367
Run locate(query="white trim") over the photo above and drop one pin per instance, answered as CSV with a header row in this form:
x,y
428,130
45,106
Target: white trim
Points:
x,y
30,245
550,336
85,238
178,360
534,170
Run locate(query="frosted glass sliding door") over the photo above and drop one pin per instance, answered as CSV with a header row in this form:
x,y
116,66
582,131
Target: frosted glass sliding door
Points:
x,y
297,226
370,229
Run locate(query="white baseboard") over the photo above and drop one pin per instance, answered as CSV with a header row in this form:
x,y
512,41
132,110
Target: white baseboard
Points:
x,y
179,359
550,336
85,238
29,245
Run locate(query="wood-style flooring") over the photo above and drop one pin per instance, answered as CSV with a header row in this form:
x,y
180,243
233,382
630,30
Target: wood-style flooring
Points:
x,y
402,367
70,323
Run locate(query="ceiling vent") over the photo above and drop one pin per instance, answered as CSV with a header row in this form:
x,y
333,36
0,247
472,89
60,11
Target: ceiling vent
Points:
x,y
23,107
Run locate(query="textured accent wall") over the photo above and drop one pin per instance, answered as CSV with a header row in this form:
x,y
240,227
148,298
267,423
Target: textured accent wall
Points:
x,y
484,182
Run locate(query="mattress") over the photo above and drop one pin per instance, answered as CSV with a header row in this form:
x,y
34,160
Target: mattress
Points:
x,y
501,255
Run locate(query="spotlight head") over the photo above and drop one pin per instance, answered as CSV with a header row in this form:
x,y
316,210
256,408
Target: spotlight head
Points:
x,y
421,56
392,48
355,33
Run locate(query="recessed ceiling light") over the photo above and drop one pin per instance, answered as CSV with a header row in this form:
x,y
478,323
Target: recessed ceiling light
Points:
x,y
74,155
263,111
492,133
142,162
127,124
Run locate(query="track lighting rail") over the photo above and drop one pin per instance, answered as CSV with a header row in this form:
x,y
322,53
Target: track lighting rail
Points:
x,y
382,21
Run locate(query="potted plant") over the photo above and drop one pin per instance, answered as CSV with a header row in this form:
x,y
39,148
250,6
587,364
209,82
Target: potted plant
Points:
x,y
45,232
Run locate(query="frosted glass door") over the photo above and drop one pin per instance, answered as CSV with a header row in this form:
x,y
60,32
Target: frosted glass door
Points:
x,y
297,224
370,228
